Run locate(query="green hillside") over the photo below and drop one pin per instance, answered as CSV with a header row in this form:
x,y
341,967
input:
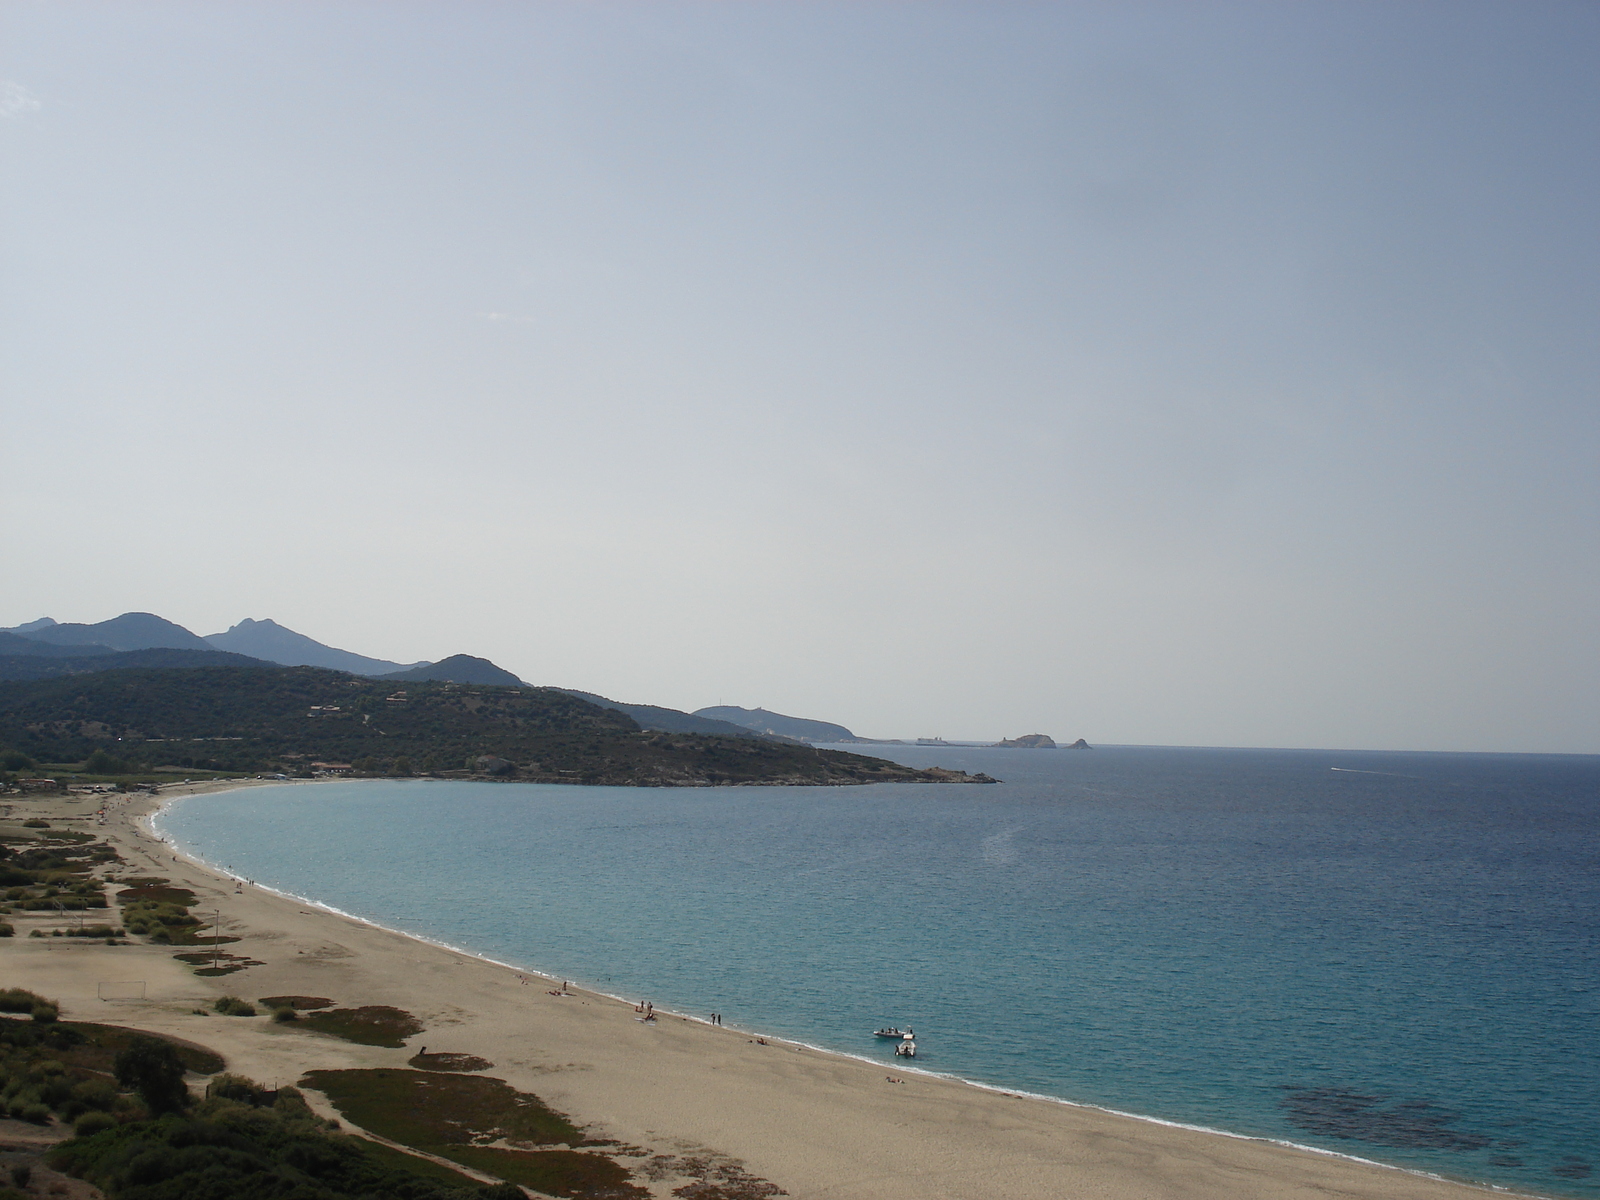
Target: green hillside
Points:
x,y
241,719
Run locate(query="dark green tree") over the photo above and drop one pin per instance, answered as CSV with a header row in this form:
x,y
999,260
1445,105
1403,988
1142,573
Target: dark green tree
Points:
x,y
153,1069
101,763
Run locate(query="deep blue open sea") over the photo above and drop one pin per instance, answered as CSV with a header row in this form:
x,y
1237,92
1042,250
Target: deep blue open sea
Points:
x,y
1395,956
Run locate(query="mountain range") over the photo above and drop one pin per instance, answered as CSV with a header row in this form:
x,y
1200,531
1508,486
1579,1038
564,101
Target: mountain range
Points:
x,y
46,649
271,641
260,641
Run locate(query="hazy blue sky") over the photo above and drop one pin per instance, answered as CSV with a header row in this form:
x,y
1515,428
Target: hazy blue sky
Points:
x,y
1189,373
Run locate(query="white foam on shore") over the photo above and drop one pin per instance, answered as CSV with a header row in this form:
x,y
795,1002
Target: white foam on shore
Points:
x,y
150,821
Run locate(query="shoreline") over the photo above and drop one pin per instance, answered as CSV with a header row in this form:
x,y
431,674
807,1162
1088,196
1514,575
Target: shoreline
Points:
x,y
814,1121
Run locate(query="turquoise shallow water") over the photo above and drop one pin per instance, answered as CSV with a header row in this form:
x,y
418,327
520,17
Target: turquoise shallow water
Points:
x,y
1395,956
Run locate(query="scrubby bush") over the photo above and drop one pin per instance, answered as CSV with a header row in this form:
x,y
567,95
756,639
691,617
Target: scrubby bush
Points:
x,y
95,1094
19,1000
283,1016
238,1089
93,1122
232,1006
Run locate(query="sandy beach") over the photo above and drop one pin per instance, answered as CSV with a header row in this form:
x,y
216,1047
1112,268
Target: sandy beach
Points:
x,y
814,1124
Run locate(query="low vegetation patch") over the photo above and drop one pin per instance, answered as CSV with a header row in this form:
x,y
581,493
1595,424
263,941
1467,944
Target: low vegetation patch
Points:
x,y
253,1144
450,1062
370,1025
459,1116
141,1135
95,1047
426,1109
212,963
298,1003
399,1160
553,1172
711,1177
154,892
151,908
232,1006
73,1070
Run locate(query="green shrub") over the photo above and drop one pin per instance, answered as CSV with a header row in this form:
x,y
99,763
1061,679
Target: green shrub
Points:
x,y
7,929
93,1122
37,1113
95,1094
232,1006
20,1000
283,1016
238,1089
46,1013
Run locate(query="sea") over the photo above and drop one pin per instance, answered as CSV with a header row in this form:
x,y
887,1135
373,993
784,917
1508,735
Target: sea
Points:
x,y
1392,956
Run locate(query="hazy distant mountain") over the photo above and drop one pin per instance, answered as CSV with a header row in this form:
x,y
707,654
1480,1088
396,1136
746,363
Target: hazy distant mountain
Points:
x,y
271,641
41,623
763,721
459,668
50,666
130,631
668,720
11,643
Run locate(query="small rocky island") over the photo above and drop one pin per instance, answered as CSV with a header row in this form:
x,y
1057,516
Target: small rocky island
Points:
x,y
1037,741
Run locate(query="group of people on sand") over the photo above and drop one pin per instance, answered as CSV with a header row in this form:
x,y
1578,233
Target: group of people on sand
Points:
x,y
648,1008
716,1018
